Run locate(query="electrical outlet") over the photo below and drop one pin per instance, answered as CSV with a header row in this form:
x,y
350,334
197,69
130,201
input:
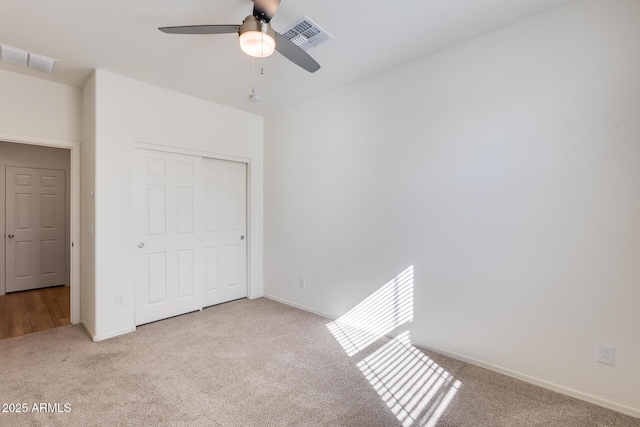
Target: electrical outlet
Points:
x,y
302,282
120,301
606,354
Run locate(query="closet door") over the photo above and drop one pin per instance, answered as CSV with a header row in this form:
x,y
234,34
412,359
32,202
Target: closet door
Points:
x,y
225,246
190,233
169,268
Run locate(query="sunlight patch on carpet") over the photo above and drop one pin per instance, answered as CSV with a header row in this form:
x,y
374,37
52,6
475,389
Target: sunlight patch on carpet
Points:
x,y
414,387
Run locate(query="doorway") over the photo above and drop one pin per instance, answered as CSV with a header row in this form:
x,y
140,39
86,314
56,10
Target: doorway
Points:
x,y
35,179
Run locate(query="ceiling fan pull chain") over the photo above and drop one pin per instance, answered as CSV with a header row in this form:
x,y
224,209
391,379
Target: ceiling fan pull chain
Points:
x,y
253,75
262,48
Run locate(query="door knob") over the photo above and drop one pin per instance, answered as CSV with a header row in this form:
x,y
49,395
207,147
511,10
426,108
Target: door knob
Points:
x,y
11,236
141,245
241,237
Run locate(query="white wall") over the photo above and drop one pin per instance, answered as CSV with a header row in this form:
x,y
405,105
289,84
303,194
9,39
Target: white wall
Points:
x,y
129,112
506,171
39,108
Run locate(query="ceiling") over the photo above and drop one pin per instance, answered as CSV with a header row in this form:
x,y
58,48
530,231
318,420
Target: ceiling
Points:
x,y
121,36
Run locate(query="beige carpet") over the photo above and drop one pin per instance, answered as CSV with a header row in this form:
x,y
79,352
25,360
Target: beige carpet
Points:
x,y
261,363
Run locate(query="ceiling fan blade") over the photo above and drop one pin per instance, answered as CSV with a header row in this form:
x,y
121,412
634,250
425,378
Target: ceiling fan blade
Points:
x,y
295,54
264,10
201,29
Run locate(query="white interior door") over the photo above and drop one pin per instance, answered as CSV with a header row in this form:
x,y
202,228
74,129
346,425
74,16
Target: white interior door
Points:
x,y
168,265
35,228
225,196
190,227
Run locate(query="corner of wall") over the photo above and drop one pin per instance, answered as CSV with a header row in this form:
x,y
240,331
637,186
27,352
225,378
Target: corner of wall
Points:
x,y
87,207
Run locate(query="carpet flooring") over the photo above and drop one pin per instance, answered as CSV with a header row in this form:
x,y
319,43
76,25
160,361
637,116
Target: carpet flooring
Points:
x,y
261,363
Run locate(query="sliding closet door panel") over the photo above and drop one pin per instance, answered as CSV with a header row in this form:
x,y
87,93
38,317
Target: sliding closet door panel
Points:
x,y
225,189
169,252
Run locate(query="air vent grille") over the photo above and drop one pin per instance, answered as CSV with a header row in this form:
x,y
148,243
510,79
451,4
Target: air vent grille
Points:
x,y
26,59
306,34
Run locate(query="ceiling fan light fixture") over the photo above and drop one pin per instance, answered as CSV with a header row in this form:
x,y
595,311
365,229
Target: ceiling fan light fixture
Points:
x,y
257,38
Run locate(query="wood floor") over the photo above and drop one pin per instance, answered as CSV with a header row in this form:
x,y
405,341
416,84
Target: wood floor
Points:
x,y
25,312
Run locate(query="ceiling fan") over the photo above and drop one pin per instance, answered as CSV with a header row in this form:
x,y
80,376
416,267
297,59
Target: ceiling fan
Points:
x,y
256,36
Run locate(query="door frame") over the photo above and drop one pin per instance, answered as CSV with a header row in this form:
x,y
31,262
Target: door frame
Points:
x,y
74,213
211,155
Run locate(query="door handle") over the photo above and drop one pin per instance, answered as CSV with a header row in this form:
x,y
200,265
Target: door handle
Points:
x,y
141,245
11,236
241,237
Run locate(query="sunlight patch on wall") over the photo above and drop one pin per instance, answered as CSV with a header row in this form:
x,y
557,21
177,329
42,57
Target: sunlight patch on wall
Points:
x,y
414,387
382,312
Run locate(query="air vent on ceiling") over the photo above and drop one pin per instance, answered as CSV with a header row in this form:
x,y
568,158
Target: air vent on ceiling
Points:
x,y
26,59
306,34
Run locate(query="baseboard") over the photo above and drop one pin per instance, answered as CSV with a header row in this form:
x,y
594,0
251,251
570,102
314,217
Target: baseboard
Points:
x,y
88,329
532,380
97,338
300,306
520,376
